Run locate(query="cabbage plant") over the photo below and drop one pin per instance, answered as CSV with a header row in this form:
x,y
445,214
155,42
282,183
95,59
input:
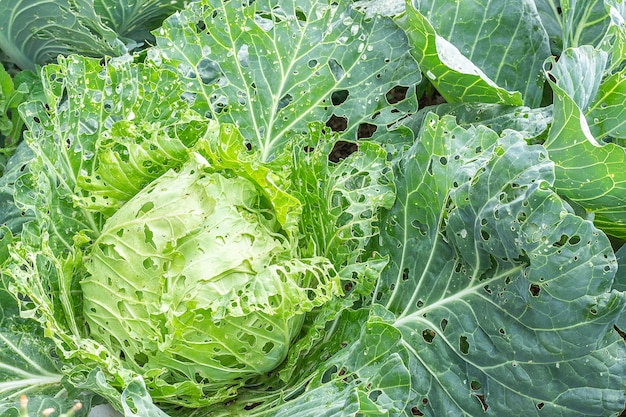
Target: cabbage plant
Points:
x,y
272,213
200,282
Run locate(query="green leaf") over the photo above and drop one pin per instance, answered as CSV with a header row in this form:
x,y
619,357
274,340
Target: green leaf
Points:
x,y
270,68
136,401
572,23
531,123
368,375
31,37
28,365
135,19
342,199
588,171
620,283
501,294
498,61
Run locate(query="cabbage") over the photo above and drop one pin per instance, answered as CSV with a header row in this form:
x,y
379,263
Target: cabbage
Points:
x,y
193,276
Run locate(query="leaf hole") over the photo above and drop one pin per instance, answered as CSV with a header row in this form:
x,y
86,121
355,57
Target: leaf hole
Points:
x,y
405,274
336,69
339,97
396,94
535,290
428,335
268,347
475,385
464,345
540,406
443,324
328,374
337,123
341,150
374,395
366,130
416,411
483,403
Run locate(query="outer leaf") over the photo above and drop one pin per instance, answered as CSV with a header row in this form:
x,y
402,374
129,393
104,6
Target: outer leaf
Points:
x,y
134,19
11,215
35,33
29,367
531,123
501,294
572,23
620,283
614,41
489,62
272,67
588,172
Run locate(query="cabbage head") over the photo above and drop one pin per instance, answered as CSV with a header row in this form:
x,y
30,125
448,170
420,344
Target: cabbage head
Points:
x,y
194,280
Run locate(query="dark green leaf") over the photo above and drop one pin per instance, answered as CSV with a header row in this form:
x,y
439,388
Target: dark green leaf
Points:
x,y
498,289
270,68
491,62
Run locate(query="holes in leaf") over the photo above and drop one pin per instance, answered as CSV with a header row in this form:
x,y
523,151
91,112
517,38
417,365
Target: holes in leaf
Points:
x,y
145,208
443,324
209,71
561,242
430,167
141,359
139,295
428,335
246,338
149,264
396,94
284,101
405,274
540,406
501,331
464,345
375,394
535,290
337,123
229,361
423,229
487,289
574,240
419,304
200,26
338,97
416,411
267,347
484,234
342,150
443,161
328,375
475,385
483,403
336,69
312,63
148,236
366,130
